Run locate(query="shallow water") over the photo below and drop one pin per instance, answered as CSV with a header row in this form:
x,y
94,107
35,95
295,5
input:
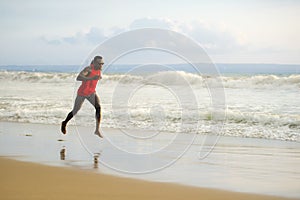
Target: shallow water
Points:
x,y
237,164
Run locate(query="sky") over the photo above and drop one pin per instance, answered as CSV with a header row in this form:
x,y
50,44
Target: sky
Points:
x,y
65,32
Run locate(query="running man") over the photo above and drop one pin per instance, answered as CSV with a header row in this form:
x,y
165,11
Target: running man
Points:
x,y
89,77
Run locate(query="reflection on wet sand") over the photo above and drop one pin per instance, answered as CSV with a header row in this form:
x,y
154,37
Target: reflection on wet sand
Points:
x,y
96,157
69,162
63,153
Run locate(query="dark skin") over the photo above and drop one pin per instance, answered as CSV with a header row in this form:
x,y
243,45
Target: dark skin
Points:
x,y
83,75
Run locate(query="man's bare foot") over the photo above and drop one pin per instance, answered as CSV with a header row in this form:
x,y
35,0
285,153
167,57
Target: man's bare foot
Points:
x,y
97,132
63,127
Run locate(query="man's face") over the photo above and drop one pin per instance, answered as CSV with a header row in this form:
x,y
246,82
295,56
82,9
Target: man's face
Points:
x,y
98,64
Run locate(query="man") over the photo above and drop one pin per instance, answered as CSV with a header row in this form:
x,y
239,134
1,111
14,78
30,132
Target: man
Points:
x,y
89,77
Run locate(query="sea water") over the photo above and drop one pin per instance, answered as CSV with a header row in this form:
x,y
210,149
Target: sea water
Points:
x,y
256,105
174,103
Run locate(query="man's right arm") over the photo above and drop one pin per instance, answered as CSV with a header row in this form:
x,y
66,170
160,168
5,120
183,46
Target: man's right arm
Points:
x,y
83,75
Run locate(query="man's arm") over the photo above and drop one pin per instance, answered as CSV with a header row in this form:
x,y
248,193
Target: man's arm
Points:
x,y
83,75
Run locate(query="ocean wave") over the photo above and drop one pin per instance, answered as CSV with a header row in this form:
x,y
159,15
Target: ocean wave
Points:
x,y
263,81
291,121
167,78
38,97
236,123
37,77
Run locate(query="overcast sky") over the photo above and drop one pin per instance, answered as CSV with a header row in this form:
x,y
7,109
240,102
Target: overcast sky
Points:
x,y
65,32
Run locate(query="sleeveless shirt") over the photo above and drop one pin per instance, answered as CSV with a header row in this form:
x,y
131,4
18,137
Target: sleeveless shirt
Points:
x,y
89,87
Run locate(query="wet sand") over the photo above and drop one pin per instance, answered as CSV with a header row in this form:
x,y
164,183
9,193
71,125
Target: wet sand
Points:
x,y
21,180
71,169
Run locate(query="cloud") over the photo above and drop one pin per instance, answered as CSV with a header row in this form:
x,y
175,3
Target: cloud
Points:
x,y
93,36
214,38
149,22
50,41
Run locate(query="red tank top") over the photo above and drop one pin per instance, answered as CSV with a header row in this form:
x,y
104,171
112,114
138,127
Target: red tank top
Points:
x,y
89,87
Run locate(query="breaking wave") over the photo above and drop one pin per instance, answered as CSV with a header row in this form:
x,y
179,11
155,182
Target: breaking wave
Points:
x,y
168,78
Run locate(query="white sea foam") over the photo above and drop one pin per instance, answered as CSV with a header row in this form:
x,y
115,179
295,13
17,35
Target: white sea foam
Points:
x,y
262,81
263,106
169,77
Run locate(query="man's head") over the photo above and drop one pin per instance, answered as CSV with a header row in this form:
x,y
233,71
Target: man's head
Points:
x,y
98,62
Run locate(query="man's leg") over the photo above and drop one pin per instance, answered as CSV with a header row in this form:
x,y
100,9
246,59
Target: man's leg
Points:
x,y
95,101
77,105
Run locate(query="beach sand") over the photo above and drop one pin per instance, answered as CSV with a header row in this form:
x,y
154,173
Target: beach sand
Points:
x,y
23,180
60,167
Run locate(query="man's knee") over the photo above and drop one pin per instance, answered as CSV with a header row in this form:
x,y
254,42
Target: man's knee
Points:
x,y
75,111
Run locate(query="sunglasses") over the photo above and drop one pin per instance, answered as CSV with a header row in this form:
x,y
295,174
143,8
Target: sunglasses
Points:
x,y
99,63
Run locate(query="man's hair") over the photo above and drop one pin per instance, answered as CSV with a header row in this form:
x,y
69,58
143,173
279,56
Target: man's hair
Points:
x,y
97,57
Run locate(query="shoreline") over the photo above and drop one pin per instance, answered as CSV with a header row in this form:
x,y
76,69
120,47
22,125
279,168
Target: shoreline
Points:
x,y
24,180
240,165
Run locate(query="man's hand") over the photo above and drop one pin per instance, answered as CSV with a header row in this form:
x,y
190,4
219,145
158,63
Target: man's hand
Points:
x,y
96,77
83,75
